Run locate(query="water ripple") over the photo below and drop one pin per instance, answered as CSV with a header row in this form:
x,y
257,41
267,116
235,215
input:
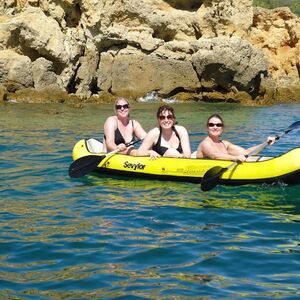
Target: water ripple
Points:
x,y
100,237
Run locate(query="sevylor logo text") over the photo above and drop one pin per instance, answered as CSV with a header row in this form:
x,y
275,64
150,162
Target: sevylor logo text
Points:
x,y
134,167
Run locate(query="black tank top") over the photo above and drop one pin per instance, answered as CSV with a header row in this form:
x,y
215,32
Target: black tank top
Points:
x,y
161,149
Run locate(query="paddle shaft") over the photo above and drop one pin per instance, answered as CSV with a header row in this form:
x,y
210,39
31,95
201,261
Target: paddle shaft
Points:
x,y
127,145
253,152
117,150
265,144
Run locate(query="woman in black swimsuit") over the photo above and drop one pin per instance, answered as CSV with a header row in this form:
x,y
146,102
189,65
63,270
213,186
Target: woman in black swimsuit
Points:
x,y
215,148
167,139
119,129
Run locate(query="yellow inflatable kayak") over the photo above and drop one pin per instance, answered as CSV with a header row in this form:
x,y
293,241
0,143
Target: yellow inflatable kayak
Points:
x,y
285,167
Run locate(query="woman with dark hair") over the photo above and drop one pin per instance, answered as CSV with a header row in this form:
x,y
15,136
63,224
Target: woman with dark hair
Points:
x,y
215,148
168,139
120,129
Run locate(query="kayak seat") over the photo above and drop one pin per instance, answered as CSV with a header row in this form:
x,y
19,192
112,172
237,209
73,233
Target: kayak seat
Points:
x,y
94,146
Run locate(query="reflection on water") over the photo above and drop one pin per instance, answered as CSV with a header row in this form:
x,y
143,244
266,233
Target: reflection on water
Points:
x,y
275,197
104,237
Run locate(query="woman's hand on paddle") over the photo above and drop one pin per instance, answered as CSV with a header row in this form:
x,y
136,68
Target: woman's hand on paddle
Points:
x,y
271,140
122,147
240,158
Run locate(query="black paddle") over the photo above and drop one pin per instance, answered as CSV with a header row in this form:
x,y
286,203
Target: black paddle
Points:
x,y
212,177
87,164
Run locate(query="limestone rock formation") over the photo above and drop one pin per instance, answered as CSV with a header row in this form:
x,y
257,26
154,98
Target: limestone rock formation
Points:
x,y
230,64
15,70
226,17
277,33
211,50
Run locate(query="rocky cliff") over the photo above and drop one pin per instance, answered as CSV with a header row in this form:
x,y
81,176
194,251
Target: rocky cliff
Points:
x,y
95,50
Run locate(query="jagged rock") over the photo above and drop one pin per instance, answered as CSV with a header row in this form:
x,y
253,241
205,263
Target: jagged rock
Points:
x,y
185,97
50,94
290,93
98,49
15,70
43,73
104,72
40,35
86,73
102,97
135,17
231,97
179,50
6,32
8,7
136,74
229,64
277,33
3,92
225,17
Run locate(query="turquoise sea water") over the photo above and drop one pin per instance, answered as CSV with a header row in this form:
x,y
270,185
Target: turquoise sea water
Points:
x,y
112,238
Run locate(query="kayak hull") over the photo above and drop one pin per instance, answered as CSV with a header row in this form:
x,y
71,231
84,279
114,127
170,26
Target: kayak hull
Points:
x,y
284,168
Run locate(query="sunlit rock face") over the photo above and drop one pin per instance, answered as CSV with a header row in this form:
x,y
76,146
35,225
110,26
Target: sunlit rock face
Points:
x,y
97,50
277,33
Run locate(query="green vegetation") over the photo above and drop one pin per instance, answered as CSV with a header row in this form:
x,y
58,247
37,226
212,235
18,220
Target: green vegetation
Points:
x,y
294,5
296,8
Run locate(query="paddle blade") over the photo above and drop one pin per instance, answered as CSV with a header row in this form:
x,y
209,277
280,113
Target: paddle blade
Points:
x,y
211,178
292,127
84,165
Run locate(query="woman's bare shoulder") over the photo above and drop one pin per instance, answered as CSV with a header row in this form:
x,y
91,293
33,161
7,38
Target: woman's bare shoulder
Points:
x,y
205,141
135,121
111,119
154,131
180,128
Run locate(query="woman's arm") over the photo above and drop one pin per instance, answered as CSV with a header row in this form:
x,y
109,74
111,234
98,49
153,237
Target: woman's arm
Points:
x,y
270,140
145,148
199,153
232,152
235,149
185,141
139,131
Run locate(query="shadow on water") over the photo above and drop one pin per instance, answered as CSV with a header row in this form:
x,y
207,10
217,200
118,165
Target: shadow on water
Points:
x,y
275,197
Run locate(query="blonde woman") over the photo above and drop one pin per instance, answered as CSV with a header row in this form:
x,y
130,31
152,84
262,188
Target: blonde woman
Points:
x,y
120,130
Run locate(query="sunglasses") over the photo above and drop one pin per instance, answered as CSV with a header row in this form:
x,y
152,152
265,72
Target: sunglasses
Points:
x,y
169,117
125,106
215,124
